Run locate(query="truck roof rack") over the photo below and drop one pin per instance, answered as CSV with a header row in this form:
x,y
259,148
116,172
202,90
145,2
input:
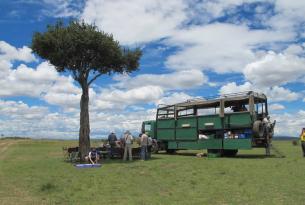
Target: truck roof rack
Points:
x,y
215,98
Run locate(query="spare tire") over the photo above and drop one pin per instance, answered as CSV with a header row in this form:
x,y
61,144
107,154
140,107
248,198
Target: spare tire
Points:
x,y
258,129
154,147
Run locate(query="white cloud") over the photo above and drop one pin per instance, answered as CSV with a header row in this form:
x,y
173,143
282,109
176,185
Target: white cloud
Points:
x,y
294,49
5,67
136,21
120,122
289,15
274,94
211,9
174,98
25,81
42,82
10,53
277,94
123,98
64,93
20,119
173,81
62,8
220,47
276,106
19,110
287,125
234,88
276,69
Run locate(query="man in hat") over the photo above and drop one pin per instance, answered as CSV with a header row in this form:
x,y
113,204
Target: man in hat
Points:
x,y
128,145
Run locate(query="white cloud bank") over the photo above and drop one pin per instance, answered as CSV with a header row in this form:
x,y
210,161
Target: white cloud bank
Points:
x,y
136,21
172,81
275,93
10,53
276,69
201,45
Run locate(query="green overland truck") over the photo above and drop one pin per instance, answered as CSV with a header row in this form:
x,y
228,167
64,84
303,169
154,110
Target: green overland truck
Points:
x,y
222,125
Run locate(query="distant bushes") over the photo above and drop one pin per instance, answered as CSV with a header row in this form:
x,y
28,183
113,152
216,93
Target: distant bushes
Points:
x,y
15,138
295,142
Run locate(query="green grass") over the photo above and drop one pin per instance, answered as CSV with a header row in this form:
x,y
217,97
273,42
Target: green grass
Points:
x,y
34,172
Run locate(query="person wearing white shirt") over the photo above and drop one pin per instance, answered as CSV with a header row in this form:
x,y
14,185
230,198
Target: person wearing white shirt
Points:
x,y
128,146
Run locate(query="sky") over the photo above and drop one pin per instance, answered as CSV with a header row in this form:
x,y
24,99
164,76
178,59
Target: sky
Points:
x,y
191,48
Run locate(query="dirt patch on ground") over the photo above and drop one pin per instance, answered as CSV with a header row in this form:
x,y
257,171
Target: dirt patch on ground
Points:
x,y
10,193
4,145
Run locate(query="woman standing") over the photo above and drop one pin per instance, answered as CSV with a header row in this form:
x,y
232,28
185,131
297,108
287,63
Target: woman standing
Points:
x,y
303,141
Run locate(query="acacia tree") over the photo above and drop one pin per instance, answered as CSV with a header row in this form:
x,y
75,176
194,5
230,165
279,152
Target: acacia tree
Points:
x,y
87,53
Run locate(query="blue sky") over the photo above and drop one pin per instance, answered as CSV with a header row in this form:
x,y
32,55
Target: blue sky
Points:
x,y
190,49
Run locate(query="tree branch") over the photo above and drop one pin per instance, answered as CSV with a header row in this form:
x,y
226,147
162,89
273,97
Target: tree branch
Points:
x,y
94,78
75,76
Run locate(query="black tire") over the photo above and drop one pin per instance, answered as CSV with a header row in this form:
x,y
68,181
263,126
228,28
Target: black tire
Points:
x,y
230,152
155,148
258,129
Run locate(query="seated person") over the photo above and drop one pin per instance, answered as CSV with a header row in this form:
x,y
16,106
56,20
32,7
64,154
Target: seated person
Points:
x,y
239,108
93,156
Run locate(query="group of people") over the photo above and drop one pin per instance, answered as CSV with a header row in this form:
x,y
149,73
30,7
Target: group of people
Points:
x,y
145,143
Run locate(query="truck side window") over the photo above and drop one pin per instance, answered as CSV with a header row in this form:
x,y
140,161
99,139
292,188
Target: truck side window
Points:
x,y
186,112
147,127
260,108
208,111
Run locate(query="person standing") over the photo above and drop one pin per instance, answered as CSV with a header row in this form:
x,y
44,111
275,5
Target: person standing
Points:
x,y
149,147
128,146
303,141
112,142
144,144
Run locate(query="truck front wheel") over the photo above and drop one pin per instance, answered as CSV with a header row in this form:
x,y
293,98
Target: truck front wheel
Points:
x,y
155,148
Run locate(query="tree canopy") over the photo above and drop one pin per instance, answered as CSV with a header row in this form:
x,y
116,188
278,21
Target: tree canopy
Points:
x,y
82,48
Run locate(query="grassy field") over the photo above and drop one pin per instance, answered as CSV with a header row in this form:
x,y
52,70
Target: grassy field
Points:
x,y
34,172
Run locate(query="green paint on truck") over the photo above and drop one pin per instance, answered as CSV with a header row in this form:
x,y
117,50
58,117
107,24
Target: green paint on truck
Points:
x,y
222,125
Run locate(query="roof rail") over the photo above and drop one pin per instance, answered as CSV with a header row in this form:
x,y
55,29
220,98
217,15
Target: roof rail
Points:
x,y
215,97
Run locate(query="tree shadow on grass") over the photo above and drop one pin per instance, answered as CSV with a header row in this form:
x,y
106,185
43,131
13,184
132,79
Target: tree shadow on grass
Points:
x,y
121,161
238,156
256,156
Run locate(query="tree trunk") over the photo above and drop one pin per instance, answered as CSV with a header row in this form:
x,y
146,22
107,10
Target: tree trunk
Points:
x,y
84,130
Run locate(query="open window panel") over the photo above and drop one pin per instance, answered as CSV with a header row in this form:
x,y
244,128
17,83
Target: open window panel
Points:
x,y
209,109
183,111
260,110
166,112
236,106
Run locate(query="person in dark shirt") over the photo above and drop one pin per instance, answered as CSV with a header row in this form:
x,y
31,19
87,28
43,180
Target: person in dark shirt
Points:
x,y
93,156
112,142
